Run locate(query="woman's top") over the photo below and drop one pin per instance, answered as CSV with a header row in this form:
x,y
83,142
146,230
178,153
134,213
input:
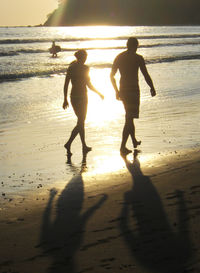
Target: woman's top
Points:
x,y
79,75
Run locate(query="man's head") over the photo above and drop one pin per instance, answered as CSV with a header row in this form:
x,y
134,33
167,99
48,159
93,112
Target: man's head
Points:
x,y
132,43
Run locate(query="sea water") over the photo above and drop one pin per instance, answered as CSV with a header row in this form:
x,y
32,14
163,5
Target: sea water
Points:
x,y
34,127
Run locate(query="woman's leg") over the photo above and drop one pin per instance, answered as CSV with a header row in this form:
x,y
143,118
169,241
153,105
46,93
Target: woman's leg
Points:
x,y
80,112
81,126
74,133
80,109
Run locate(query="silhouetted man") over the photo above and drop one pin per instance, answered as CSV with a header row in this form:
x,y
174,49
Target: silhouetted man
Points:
x,y
129,63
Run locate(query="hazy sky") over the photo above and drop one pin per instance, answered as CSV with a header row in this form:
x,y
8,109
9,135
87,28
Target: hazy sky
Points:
x,y
25,12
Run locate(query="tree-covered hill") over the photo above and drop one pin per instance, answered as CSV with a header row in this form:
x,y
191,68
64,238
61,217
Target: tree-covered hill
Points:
x,y
125,12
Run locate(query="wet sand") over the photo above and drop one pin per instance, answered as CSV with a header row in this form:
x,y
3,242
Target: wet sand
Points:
x,y
142,219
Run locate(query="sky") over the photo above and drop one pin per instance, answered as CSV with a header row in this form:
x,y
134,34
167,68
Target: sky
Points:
x,y
25,12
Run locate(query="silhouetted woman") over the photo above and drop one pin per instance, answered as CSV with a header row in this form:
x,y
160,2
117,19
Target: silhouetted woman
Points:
x,y
78,73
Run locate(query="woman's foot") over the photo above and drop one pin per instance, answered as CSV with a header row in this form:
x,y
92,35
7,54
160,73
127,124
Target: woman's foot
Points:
x,y
86,149
68,147
125,151
136,143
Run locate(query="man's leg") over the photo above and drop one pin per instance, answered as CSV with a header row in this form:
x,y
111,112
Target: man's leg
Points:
x,y
125,134
132,134
129,129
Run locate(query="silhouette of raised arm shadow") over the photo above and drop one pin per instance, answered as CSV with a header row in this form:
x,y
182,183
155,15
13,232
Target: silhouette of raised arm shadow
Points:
x,y
61,237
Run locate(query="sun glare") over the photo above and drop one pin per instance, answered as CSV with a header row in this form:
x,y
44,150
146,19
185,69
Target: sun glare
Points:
x,y
91,32
112,163
102,111
105,165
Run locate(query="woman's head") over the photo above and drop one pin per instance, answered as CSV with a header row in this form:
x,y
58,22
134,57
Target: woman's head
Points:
x,y
81,55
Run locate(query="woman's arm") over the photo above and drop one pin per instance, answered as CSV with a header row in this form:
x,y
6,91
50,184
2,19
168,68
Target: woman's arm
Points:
x,y
89,84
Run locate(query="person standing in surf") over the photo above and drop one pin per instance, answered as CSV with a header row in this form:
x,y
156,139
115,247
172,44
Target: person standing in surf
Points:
x,y
54,49
128,63
78,74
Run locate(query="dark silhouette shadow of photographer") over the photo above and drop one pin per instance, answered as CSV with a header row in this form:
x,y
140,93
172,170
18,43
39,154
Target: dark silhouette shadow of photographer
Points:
x,y
151,239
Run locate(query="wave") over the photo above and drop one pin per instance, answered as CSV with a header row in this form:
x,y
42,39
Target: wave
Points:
x,y
62,70
173,59
21,51
9,53
22,75
35,51
155,60
49,40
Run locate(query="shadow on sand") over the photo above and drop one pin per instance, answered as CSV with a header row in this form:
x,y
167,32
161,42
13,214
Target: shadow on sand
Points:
x,y
61,237
152,241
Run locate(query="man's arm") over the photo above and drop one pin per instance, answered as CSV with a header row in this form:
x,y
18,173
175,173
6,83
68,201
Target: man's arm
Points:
x,y
113,81
147,77
65,102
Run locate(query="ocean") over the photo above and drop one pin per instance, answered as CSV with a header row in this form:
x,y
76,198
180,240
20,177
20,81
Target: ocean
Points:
x,y
34,127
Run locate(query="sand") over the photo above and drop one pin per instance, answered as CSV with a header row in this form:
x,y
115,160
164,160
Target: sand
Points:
x,y
144,219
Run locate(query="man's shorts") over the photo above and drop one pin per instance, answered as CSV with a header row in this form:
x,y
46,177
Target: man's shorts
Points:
x,y
131,101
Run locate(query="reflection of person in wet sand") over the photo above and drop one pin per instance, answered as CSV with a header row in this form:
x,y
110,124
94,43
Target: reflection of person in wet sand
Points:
x,y
62,237
78,73
153,242
128,63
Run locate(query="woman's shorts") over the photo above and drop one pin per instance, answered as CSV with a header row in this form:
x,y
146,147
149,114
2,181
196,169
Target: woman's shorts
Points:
x,y
79,104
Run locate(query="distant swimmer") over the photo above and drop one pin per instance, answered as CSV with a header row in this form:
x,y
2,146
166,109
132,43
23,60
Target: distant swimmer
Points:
x,y
54,49
78,74
128,63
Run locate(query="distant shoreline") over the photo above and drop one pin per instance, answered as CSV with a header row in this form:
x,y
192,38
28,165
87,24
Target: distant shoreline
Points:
x,y
159,25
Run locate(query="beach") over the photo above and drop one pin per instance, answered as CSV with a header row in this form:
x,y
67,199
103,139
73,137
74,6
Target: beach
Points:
x,y
99,212
143,219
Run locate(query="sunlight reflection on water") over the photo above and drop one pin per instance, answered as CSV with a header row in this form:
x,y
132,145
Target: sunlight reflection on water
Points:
x,y
115,164
98,31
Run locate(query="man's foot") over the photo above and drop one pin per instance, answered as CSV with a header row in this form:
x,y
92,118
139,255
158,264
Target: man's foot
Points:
x,y
86,149
67,147
125,151
136,143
